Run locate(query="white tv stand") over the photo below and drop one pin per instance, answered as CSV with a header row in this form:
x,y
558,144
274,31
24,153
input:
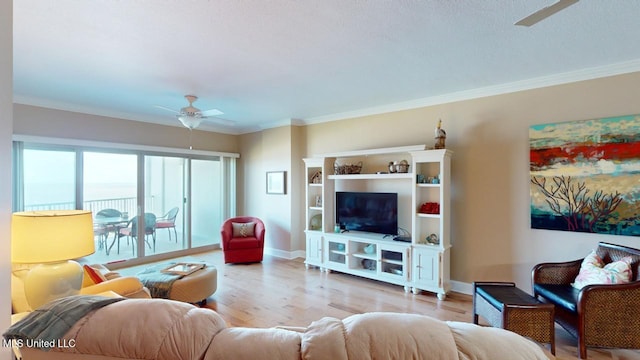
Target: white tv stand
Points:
x,y
417,265
368,255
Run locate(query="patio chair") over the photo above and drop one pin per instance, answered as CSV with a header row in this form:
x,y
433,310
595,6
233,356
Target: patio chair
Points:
x,y
102,230
131,231
168,221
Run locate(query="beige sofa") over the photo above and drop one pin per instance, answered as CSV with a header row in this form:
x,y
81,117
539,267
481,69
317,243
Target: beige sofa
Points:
x,y
165,329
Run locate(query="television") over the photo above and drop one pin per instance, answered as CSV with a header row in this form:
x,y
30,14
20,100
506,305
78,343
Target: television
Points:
x,y
373,212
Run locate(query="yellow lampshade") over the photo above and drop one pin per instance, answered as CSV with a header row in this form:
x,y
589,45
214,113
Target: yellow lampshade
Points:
x,y
52,239
51,236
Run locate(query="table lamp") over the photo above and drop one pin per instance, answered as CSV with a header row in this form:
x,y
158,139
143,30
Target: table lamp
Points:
x,y
51,238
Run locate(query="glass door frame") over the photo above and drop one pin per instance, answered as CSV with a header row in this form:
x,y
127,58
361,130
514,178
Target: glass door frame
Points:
x,y
227,181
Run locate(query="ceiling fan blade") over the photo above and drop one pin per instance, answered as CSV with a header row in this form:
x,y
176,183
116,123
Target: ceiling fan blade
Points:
x,y
221,121
166,108
545,12
211,112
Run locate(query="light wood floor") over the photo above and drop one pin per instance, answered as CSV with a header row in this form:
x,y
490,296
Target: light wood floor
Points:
x,y
282,292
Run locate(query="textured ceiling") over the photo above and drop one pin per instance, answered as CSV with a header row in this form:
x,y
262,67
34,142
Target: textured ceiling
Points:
x,y
267,63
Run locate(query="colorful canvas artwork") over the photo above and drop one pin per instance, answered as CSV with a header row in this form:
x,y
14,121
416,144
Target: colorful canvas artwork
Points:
x,y
585,176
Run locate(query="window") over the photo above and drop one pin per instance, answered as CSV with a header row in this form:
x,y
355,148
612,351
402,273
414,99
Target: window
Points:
x,y
110,186
207,213
198,189
165,192
44,189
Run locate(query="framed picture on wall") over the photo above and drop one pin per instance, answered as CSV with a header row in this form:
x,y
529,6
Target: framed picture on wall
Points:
x,y
276,182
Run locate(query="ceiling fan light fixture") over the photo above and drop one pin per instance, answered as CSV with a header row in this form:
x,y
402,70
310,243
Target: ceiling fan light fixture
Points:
x,y
190,122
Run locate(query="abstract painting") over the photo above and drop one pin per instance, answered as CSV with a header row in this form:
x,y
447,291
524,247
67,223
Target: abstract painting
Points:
x,y
585,176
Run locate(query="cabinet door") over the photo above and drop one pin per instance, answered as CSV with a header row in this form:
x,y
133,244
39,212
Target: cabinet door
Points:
x,y
393,262
426,265
336,254
314,249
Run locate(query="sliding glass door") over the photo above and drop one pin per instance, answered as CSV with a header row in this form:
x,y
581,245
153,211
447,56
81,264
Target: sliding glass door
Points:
x,y
47,180
184,197
165,197
109,190
206,202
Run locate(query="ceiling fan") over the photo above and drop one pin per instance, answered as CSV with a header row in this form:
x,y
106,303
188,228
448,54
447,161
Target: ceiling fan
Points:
x,y
545,12
191,117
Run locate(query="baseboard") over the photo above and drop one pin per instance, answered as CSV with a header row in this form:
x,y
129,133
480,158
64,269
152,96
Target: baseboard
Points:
x,y
289,255
462,287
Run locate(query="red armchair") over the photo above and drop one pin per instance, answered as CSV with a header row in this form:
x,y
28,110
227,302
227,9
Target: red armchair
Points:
x,y
242,239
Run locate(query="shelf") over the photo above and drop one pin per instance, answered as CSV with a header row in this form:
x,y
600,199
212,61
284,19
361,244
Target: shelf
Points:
x,y
318,208
432,216
365,256
366,238
315,184
394,262
372,176
338,252
426,185
435,247
390,150
389,273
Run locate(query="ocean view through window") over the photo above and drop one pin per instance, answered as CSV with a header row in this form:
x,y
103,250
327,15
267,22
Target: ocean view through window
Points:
x,y
52,177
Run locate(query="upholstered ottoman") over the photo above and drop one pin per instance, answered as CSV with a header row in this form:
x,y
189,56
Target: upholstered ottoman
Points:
x,y
193,288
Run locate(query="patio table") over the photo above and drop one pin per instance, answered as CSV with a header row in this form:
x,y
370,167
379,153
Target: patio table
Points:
x,y
116,223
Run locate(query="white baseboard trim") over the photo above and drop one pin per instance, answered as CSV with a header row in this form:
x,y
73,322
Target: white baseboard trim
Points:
x,y
462,287
289,255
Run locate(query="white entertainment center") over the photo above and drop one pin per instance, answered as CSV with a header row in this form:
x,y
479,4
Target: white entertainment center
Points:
x,y
423,197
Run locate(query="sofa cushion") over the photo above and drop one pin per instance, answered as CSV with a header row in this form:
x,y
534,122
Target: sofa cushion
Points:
x,y
147,329
594,271
565,296
243,243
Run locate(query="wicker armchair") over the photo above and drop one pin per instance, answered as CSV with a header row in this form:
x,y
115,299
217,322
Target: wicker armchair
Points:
x,y
597,315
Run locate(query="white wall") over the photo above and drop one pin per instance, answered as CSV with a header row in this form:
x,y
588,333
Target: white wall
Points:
x,y
270,150
6,130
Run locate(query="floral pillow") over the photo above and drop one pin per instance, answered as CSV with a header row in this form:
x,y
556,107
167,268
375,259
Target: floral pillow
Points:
x,y
594,271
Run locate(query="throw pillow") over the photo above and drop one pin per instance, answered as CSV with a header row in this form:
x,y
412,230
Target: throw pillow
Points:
x,y
243,229
594,271
92,276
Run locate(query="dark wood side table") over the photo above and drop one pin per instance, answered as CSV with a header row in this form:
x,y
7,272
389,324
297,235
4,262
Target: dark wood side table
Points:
x,y
505,306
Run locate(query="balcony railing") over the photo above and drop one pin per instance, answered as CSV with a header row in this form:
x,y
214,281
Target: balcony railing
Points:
x,y
128,204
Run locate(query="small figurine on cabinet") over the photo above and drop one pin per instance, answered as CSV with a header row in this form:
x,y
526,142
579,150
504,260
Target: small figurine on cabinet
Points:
x,y
441,135
317,178
433,239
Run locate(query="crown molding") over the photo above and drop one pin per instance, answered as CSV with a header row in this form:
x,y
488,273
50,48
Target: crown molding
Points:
x,y
529,84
